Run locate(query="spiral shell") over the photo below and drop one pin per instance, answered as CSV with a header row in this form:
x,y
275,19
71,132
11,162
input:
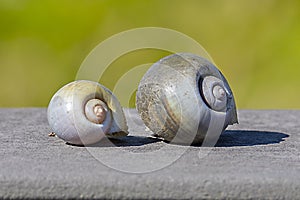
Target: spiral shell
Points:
x,y
83,112
179,96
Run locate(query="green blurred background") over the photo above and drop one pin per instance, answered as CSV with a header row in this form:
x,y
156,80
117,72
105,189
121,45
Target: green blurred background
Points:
x,y
256,44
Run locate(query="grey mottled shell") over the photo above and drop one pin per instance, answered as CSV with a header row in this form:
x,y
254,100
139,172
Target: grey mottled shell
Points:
x,y
175,98
66,113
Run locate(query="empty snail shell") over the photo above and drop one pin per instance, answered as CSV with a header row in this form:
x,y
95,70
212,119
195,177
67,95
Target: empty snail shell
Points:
x,y
83,112
180,94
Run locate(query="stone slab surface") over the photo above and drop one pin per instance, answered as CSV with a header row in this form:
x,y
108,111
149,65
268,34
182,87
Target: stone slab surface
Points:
x,y
258,158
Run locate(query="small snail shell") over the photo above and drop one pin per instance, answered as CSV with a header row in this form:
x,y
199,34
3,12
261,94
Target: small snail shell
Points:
x,y
179,95
83,112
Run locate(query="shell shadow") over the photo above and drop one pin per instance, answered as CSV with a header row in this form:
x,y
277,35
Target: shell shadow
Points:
x,y
233,138
125,141
230,138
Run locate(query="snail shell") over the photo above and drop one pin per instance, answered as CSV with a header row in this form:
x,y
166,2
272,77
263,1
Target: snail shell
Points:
x,y
179,95
83,112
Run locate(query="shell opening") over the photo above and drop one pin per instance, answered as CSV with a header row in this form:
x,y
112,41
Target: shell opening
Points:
x,y
96,111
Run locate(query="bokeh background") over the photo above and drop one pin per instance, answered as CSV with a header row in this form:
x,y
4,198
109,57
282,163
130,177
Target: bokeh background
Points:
x,y
256,44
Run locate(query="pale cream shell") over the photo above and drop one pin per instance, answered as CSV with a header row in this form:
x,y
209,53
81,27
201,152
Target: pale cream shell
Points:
x,y
66,115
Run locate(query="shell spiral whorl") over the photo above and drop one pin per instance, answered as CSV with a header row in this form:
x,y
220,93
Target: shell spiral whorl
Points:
x,y
214,93
96,111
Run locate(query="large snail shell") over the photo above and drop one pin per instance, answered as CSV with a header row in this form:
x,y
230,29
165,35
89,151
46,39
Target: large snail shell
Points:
x,y
83,112
179,95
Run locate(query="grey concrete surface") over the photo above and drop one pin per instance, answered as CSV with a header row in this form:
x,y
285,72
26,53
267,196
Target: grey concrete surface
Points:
x,y
258,158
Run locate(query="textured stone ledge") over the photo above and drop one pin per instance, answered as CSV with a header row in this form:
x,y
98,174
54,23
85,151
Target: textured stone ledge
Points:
x,y
259,158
